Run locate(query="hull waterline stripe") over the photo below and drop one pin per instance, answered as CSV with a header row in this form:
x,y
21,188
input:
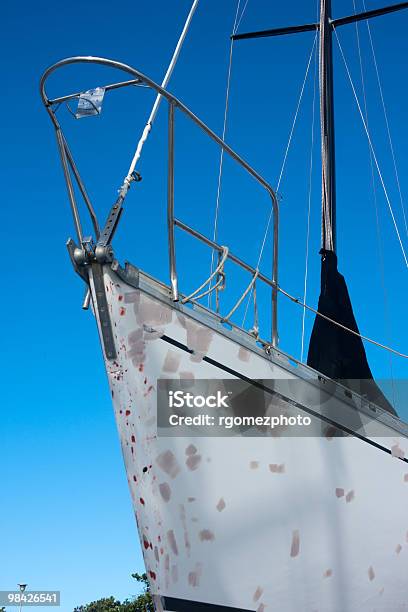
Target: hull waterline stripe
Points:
x,y
270,391
185,605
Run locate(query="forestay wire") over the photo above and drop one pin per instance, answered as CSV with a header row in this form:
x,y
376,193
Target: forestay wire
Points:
x,y
131,172
237,21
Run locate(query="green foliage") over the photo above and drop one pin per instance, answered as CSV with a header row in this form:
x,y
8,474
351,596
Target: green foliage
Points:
x,y
102,605
143,579
141,603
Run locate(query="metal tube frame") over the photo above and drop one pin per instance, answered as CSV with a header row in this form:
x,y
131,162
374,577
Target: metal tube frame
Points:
x,y
70,186
106,88
140,79
82,189
170,206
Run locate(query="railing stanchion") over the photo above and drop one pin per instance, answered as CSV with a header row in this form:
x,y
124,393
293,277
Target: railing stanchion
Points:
x,y
70,187
170,205
274,335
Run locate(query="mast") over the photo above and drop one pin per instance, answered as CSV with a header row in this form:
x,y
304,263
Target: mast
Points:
x,y
325,26
327,128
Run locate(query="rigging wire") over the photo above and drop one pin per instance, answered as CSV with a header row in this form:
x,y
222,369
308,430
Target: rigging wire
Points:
x,y
387,123
372,149
351,331
242,14
282,168
309,203
374,191
237,21
309,206
295,116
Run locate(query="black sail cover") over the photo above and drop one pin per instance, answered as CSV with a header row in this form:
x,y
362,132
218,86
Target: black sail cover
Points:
x,y
333,351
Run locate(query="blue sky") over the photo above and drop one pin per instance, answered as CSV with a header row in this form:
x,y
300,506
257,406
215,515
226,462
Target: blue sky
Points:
x,y
66,516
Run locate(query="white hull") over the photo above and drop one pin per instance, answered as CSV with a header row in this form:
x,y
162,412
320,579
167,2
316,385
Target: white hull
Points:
x,y
251,523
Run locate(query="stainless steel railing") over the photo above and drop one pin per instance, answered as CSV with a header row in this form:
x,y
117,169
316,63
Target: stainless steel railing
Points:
x,y
104,236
